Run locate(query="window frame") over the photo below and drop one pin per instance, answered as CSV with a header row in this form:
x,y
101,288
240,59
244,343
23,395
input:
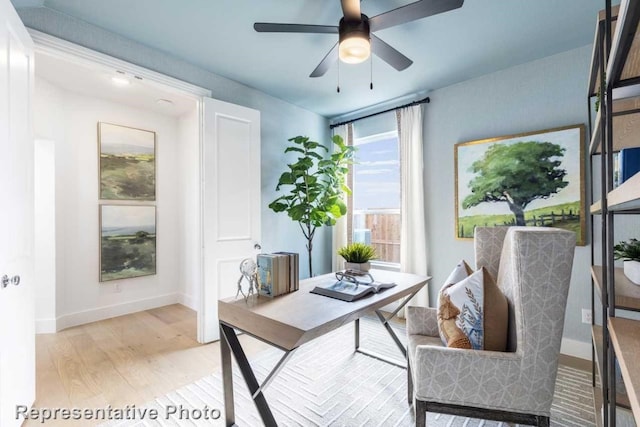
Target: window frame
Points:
x,y
380,265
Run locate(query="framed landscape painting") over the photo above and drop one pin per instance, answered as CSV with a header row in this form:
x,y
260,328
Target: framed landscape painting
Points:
x,y
127,241
533,179
127,163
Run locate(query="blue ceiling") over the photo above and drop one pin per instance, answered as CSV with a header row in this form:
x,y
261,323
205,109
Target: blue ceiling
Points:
x,y
481,37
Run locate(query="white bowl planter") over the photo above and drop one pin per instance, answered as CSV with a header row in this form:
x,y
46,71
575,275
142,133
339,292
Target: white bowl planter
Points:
x,y
632,271
364,266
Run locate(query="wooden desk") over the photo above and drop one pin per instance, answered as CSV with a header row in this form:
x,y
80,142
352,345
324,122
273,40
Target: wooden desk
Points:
x,y
288,321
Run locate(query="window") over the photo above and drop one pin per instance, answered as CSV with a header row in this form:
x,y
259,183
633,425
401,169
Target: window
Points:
x,y
376,195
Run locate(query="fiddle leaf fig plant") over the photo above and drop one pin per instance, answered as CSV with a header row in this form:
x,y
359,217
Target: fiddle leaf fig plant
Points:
x,y
314,186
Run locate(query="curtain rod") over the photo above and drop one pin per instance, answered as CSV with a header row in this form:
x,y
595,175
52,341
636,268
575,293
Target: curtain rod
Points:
x,y
411,104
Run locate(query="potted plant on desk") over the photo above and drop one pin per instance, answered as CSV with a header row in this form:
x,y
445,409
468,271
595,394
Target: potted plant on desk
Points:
x,y
629,252
357,256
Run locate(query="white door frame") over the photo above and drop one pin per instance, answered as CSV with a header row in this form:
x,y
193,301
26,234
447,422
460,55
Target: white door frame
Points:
x,y
62,49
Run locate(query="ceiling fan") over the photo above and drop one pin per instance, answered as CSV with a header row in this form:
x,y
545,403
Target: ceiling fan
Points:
x,y
355,38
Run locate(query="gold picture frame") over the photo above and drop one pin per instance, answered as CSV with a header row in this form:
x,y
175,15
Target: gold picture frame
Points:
x,y
511,169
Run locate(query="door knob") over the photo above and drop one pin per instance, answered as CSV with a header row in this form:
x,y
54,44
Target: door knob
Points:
x,y
257,246
4,281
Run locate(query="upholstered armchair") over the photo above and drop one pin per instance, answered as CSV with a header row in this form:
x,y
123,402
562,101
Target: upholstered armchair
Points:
x,y
533,269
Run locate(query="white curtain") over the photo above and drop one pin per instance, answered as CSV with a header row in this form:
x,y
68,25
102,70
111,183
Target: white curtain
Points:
x,y
340,230
413,239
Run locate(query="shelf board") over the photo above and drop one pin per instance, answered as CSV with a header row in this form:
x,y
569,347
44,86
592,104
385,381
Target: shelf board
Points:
x,y
627,294
626,125
594,78
596,208
624,59
597,405
625,336
594,144
596,336
625,197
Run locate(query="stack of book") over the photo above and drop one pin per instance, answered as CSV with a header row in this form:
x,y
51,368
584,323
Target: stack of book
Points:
x,y
626,163
278,273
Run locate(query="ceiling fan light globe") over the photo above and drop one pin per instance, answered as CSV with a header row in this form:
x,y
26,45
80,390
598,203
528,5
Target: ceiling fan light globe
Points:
x,y
354,50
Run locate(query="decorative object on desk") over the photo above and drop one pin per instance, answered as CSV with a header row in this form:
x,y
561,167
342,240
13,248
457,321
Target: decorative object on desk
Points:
x,y
249,270
629,252
294,270
355,276
275,275
350,287
357,256
535,179
127,163
317,184
127,241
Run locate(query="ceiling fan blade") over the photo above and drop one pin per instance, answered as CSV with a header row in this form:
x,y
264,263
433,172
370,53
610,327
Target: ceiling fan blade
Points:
x,y
411,12
326,63
351,10
264,27
388,54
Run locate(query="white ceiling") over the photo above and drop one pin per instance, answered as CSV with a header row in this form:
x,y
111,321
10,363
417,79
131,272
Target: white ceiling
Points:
x,y
481,37
95,81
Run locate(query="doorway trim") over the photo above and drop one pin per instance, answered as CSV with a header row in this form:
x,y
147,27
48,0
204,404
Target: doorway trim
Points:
x,y
53,46
48,44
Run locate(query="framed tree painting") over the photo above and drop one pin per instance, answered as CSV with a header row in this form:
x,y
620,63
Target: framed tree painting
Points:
x,y
127,241
533,179
127,163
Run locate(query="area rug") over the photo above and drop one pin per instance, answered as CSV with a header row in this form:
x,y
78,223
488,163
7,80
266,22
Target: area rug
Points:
x,y
326,384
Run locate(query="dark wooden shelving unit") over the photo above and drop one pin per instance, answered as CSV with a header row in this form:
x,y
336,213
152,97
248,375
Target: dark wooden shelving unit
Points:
x,y
616,55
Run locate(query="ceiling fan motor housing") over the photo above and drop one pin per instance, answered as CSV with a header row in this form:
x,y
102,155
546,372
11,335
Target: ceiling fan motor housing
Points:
x,y
352,28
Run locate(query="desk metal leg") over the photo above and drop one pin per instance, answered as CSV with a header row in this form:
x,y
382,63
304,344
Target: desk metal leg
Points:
x,y
249,378
385,323
227,380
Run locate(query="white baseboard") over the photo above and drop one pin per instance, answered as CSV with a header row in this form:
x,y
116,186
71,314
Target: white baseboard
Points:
x,y
46,326
579,349
188,301
101,313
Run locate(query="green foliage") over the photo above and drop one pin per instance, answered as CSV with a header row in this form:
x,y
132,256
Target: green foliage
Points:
x,y
357,252
599,94
467,224
627,251
315,184
517,174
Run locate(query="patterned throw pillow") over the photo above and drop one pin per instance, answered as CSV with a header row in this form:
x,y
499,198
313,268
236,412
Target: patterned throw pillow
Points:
x,y
450,334
472,311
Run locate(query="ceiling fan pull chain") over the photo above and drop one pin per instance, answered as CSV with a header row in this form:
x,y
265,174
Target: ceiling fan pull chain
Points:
x,y
371,75
338,88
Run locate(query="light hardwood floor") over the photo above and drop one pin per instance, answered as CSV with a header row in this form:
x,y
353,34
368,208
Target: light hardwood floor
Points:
x,y
123,361
131,360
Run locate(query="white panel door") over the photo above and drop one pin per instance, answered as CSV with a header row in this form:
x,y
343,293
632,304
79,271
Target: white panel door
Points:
x,y
231,200
17,330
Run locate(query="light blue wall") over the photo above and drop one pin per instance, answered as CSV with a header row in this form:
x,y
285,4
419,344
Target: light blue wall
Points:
x,y
546,93
280,120
543,94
